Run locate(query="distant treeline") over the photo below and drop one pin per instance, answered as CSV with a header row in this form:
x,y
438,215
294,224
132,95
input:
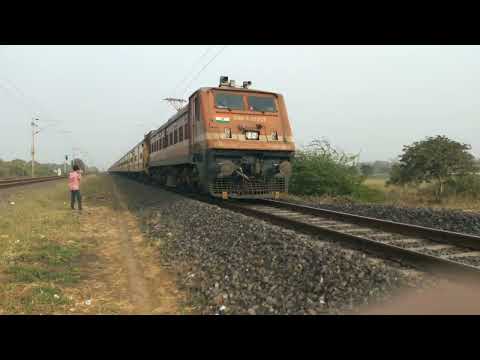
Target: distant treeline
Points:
x,y
19,168
384,168
376,168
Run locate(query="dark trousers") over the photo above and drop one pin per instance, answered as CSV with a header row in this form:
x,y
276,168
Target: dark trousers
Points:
x,y
75,194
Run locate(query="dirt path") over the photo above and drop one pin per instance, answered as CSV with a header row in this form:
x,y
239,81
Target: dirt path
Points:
x,y
126,275
139,292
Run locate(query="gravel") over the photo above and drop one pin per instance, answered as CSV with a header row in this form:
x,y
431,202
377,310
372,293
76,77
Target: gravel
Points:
x,y
233,264
452,220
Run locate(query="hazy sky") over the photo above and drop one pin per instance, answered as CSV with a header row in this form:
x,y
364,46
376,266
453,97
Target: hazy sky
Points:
x,y
370,100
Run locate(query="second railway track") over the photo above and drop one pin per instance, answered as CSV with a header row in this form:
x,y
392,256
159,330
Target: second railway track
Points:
x,y
8,183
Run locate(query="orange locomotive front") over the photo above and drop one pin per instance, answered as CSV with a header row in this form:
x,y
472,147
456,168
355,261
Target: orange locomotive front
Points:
x,y
227,141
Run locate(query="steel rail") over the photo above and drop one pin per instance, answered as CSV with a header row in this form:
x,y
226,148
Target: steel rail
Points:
x,y
423,261
25,181
444,236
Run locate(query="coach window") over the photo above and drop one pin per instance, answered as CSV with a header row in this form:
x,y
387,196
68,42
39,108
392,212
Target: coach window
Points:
x,y
180,133
186,131
165,141
159,145
170,140
175,136
229,101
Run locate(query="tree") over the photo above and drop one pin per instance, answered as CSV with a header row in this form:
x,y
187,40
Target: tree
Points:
x,y
435,159
366,169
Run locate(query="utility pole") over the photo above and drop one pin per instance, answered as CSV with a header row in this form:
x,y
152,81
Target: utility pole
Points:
x,y
34,132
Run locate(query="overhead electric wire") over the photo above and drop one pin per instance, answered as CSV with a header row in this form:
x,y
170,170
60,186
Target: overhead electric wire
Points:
x,y
19,91
203,68
192,69
24,106
33,105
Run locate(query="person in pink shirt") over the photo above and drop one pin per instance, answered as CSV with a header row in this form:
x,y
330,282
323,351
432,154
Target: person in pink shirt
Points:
x,y
74,186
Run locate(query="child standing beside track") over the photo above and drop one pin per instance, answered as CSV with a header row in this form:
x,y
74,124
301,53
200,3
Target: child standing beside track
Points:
x,y
74,186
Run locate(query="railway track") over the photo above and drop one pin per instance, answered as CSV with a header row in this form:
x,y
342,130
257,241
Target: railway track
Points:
x,y
7,183
450,254
453,255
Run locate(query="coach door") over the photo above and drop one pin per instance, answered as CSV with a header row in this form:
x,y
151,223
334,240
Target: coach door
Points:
x,y
146,151
193,118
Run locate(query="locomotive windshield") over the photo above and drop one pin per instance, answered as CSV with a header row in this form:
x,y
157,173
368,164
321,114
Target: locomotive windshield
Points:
x,y
257,103
229,101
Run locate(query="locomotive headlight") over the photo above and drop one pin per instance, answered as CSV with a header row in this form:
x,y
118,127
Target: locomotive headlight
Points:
x,y
285,168
251,135
226,168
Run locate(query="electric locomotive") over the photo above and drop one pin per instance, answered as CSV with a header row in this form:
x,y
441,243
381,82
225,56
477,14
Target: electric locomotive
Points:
x,y
228,141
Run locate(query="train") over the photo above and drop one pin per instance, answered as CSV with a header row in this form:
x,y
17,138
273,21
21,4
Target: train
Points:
x,y
228,141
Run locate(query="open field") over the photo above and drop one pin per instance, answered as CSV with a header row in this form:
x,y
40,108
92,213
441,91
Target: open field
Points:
x,y
57,261
409,196
381,194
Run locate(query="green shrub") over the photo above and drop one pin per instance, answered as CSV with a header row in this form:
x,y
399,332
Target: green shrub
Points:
x,y
320,169
467,185
364,193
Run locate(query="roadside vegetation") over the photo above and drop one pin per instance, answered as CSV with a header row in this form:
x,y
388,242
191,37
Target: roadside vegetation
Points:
x,y
435,172
322,170
21,168
38,258
57,261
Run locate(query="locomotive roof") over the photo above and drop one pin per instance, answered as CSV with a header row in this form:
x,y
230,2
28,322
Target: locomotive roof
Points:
x,y
228,88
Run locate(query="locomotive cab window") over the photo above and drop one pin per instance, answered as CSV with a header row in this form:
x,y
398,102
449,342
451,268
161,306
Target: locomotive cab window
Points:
x,y
261,103
229,101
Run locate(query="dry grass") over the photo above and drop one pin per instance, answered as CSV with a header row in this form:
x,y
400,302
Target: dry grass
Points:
x,y
56,261
43,252
422,196
37,253
407,196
